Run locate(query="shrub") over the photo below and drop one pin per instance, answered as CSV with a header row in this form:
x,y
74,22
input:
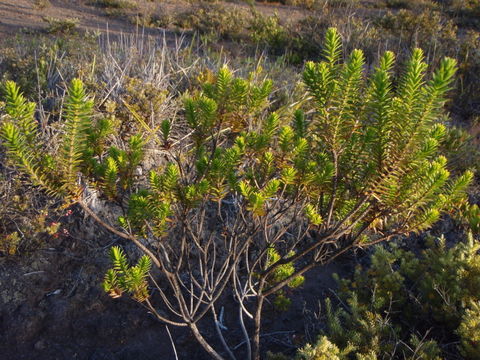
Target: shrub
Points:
x,y
306,35
214,19
410,4
467,11
63,26
469,331
428,27
401,295
267,31
461,149
42,4
323,350
357,165
113,4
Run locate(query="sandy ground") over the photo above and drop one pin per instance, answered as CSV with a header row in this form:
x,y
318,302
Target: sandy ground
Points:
x,y
25,15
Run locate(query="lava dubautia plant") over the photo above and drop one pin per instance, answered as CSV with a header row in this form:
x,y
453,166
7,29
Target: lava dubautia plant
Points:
x,y
353,164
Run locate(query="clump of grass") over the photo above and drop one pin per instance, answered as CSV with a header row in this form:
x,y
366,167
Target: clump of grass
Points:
x,y
216,19
42,4
410,4
113,4
152,19
60,26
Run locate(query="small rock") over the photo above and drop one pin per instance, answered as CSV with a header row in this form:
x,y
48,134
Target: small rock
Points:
x,y
40,345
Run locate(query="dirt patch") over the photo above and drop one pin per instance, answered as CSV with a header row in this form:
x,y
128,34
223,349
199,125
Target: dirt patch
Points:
x,y
52,307
25,15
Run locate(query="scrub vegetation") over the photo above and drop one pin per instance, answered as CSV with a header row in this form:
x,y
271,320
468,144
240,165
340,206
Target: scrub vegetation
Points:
x,y
217,171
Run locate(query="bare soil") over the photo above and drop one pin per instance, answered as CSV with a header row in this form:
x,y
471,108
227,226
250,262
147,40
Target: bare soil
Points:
x,y
25,15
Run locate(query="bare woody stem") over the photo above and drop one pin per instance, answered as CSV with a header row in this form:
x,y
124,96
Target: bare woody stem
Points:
x,y
201,340
119,233
258,325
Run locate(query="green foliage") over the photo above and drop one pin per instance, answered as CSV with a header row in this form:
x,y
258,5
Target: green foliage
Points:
x,y
429,25
166,128
471,213
17,107
312,215
113,4
460,148
124,278
469,331
360,328
281,301
410,4
454,279
22,140
34,63
9,243
63,26
78,112
323,350
82,147
267,31
400,295
213,19
227,101
378,130
371,148
353,162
